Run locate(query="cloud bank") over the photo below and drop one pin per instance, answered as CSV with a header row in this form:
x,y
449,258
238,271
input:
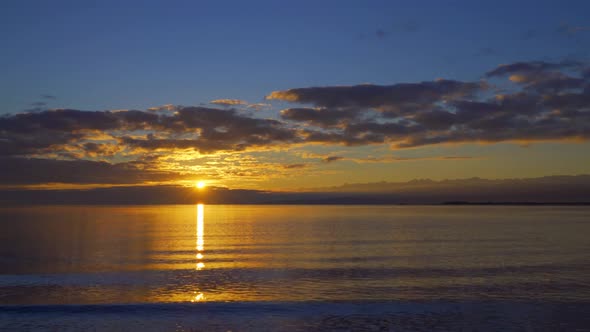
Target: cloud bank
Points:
x,y
519,102
545,102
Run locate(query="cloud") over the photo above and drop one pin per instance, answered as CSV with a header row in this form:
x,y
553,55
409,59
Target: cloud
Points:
x,y
294,166
380,96
531,67
240,103
259,106
571,30
24,171
380,33
548,81
331,159
403,27
204,129
543,101
228,102
321,117
163,108
550,102
542,77
98,150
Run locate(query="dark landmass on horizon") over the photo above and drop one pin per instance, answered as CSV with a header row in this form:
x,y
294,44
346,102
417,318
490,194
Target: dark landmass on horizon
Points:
x,y
564,190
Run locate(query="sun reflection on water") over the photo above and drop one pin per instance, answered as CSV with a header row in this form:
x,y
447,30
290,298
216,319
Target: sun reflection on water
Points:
x,y
200,248
200,227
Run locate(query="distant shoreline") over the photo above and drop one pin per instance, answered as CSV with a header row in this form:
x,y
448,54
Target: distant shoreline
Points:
x,y
451,203
550,190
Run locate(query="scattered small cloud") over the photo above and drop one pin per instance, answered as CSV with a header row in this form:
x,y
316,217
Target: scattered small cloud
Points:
x,y
331,159
163,108
259,106
380,33
228,102
403,27
294,166
241,104
571,30
40,105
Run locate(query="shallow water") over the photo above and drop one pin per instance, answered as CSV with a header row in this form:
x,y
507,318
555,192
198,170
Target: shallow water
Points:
x,y
311,267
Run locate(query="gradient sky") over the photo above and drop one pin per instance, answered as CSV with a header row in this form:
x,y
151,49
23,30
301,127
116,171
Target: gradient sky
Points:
x,y
105,56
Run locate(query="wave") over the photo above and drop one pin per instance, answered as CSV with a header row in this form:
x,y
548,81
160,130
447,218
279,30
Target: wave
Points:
x,y
302,316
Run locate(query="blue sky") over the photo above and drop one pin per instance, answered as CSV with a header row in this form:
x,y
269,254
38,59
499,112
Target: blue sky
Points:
x,y
138,54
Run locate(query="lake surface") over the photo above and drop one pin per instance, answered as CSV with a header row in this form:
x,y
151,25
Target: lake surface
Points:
x,y
239,267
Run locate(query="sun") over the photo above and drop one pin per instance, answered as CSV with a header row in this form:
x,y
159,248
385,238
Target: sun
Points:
x,y
200,184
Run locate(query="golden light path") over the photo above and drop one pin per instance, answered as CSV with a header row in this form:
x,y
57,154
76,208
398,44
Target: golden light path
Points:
x,y
199,296
200,227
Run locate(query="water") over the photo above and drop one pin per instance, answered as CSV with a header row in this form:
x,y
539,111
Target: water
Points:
x,y
294,268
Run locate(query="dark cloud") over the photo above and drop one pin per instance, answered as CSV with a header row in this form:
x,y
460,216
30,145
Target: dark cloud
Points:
x,y
331,159
321,117
61,120
552,103
554,189
48,97
201,145
531,67
390,129
542,77
22,171
293,166
342,138
548,82
396,97
209,130
137,195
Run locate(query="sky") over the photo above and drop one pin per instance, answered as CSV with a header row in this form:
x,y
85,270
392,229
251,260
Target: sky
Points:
x,y
289,95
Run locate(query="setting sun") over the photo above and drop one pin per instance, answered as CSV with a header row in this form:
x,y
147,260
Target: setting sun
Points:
x,y
200,184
